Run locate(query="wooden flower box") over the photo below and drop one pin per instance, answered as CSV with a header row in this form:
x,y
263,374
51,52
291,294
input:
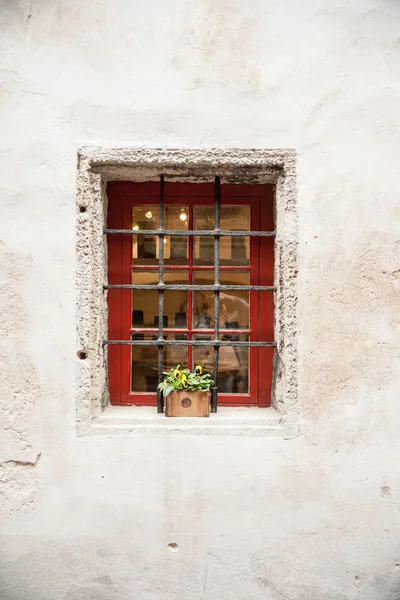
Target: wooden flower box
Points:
x,y
187,404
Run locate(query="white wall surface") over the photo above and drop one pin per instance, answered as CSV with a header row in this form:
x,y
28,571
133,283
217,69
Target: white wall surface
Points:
x,y
311,518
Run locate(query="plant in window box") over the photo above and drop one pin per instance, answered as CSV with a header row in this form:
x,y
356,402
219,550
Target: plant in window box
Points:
x,y
187,394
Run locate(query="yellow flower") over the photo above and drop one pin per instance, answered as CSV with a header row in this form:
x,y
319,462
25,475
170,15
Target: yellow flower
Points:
x,y
184,381
198,370
177,374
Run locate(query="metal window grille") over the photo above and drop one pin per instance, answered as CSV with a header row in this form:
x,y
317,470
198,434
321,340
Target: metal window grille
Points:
x,y
161,287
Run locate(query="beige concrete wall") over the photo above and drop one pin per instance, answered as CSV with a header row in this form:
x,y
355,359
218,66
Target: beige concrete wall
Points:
x,y
310,517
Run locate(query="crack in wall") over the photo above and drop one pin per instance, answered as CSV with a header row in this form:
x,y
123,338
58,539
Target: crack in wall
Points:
x,y
22,463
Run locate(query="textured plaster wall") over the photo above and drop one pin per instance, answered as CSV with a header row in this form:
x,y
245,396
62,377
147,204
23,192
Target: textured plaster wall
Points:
x,y
308,518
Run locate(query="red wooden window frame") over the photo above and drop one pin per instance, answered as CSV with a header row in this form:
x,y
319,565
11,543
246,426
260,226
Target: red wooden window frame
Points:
x,y
121,197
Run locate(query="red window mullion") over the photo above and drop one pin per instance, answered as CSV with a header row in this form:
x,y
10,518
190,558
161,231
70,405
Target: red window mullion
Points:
x,y
266,306
114,247
127,295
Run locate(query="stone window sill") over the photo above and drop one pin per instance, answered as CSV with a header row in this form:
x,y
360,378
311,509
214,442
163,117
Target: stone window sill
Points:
x,y
145,421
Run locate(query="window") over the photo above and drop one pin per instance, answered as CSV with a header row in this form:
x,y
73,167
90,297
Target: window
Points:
x,y
272,172
227,327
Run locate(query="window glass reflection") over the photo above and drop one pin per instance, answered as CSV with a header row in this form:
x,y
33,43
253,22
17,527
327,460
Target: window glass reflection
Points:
x,y
233,250
144,374
233,364
234,305
145,248
145,302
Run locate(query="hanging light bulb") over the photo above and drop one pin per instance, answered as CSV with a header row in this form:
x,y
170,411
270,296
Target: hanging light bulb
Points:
x,y
135,227
149,214
183,215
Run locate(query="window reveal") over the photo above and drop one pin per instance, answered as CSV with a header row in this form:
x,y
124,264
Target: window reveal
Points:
x,y
206,268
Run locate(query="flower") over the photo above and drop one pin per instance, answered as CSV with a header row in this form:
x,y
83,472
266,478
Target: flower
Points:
x,y
177,374
184,381
198,370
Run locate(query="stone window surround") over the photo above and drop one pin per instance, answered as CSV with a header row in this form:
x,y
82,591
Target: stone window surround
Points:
x,y
96,167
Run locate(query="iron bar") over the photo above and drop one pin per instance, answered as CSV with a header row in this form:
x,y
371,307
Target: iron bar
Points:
x,y
208,343
178,330
160,297
143,267
190,295
201,288
191,232
217,222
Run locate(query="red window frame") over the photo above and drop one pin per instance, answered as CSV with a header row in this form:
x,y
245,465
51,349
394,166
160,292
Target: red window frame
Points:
x,y
121,197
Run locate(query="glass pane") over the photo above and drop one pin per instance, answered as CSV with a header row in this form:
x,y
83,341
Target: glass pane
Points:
x,y
144,374
203,355
233,250
145,248
145,302
233,218
233,364
234,305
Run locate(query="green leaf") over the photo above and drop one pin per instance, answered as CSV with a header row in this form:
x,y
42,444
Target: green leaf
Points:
x,y
194,382
167,390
